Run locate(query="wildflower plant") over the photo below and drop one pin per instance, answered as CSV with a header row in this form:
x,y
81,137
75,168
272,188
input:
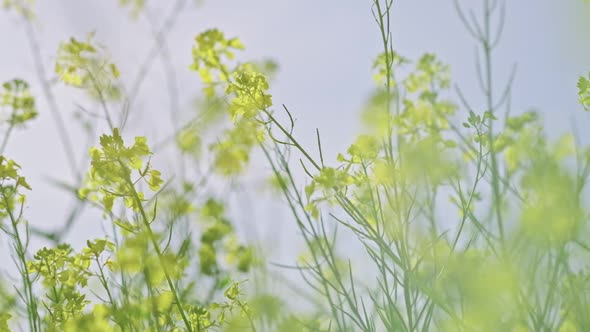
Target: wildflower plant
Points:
x,y
500,264
141,275
508,253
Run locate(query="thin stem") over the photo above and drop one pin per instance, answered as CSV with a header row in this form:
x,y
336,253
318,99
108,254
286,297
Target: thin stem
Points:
x,y
62,131
156,246
490,104
20,247
5,139
148,61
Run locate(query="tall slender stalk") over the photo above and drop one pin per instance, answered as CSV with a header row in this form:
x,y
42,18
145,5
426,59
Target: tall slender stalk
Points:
x,y
20,247
158,250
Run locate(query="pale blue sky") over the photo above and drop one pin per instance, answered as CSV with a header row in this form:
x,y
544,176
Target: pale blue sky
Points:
x,y
324,49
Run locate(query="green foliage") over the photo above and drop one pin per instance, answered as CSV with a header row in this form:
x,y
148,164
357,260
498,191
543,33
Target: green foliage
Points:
x,y
111,171
63,274
139,277
248,92
509,253
498,265
136,6
584,92
22,7
189,141
218,237
17,97
210,50
84,65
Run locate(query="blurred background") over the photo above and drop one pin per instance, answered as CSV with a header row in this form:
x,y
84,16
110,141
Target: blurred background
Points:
x,y
324,50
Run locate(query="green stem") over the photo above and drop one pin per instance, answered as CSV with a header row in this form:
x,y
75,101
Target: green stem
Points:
x,y
156,246
293,140
490,106
33,315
